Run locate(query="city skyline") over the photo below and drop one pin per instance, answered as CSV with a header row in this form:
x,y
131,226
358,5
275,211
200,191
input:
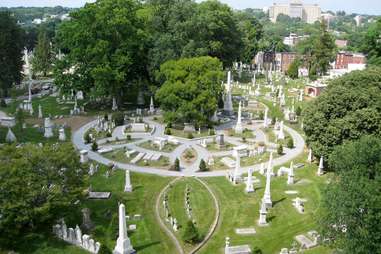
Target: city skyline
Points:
x,y
371,7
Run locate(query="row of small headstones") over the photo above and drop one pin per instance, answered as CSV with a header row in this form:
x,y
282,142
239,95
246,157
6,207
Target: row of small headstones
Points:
x,y
168,217
188,207
74,236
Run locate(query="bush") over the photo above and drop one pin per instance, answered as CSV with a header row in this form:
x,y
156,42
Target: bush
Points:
x,y
298,111
106,117
290,143
94,146
212,132
190,135
261,115
280,149
3,104
168,131
104,250
128,137
118,118
244,139
176,165
169,125
108,134
87,138
203,166
190,233
273,121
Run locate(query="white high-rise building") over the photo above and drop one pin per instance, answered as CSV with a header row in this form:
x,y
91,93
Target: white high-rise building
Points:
x,y
309,13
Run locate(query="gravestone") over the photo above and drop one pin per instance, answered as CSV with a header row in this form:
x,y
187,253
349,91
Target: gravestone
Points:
x,y
10,138
87,224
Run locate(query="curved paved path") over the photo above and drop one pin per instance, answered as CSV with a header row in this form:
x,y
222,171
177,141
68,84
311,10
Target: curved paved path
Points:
x,y
202,153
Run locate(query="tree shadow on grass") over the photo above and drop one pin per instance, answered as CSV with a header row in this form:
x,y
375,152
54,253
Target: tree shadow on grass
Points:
x,y
269,219
144,246
278,201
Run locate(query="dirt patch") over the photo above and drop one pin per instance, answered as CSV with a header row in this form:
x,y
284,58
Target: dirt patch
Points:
x,y
74,122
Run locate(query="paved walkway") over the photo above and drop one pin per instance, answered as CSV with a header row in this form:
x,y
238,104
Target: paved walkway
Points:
x,y
202,153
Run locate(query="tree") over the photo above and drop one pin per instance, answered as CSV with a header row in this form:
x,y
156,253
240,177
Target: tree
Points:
x,y
191,89
42,57
94,146
191,234
346,110
38,185
279,149
203,166
298,110
176,166
350,214
293,69
371,43
104,42
323,52
11,46
251,31
290,143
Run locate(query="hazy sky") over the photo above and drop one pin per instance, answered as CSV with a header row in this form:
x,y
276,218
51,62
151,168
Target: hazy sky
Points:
x,y
357,6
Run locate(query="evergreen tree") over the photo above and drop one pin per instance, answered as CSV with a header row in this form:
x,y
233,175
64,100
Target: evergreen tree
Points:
x,y
203,166
94,146
290,143
191,234
42,56
11,46
176,166
280,149
293,69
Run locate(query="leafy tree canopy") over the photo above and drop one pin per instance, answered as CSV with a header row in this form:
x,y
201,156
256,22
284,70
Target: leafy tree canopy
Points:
x,y
349,108
191,89
351,215
11,46
36,186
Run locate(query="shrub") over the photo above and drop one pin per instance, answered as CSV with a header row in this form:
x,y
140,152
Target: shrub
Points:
x,y
3,104
212,132
261,115
87,138
290,143
190,233
203,166
168,131
298,111
118,118
94,146
176,165
128,137
190,135
280,149
273,121
108,134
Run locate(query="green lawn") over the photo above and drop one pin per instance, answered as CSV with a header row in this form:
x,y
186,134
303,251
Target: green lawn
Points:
x,y
167,147
119,155
182,134
148,238
245,134
31,134
239,210
49,106
213,147
202,207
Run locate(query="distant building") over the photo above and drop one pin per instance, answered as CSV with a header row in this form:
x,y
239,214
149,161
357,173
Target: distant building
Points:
x,y
283,60
358,20
341,43
293,39
328,17
344,60
309,13
314,89
37,21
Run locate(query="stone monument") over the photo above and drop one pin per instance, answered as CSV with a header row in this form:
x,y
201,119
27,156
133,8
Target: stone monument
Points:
x,y
238,128
123,243
128,186
267,195
321,167
228,104
249,182
48,128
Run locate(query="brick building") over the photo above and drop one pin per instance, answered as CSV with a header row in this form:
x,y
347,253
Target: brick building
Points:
x,y
343,59
284,59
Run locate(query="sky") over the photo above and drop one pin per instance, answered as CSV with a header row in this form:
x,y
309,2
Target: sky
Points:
x,y
349,6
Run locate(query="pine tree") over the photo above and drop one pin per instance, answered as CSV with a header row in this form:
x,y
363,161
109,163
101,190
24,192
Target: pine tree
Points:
x,y
280,149
203,166
42,57
191,233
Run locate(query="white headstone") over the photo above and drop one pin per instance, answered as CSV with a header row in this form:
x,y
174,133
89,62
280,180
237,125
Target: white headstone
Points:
x,y
321,167
128,186
281,131
40,111
267,195
151,106
249,182
114,104
123,243
84,156
262,214
48,128
10,138
238,127
310,156
62,135
265,119
290,179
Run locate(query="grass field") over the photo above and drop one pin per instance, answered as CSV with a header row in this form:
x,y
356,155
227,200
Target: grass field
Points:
x,y
148,238
167,147
241,210
202,207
